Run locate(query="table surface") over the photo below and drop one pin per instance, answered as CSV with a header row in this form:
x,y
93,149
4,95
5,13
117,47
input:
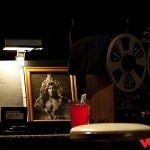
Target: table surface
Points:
x,y
110,132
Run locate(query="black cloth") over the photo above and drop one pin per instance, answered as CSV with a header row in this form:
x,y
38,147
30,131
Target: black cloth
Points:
x,y
88,55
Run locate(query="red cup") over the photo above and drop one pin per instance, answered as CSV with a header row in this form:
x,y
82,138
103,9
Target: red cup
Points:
x,y
79,114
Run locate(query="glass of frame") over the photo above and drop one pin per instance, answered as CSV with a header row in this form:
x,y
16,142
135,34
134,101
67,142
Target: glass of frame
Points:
x,y
48,91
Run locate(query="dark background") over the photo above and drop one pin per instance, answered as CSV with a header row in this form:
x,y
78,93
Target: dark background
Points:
x,y
50,20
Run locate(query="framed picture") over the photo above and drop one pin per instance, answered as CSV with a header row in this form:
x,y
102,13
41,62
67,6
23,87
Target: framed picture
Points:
x,y
48,91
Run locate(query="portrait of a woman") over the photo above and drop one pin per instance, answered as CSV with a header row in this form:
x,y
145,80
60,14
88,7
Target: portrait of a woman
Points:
x,y
49,105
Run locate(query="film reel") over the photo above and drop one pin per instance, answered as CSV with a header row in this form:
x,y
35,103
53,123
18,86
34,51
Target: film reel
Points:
x,y
126,62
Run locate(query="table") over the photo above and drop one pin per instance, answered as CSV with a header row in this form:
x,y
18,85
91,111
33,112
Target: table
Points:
x,y
112,134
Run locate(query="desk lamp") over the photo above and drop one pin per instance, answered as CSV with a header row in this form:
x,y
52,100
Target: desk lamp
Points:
x,y
22,46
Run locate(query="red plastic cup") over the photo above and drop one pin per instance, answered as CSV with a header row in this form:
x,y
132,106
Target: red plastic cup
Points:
x,y
79,114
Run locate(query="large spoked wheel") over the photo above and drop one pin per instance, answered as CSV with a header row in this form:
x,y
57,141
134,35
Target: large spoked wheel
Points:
x,y
126,62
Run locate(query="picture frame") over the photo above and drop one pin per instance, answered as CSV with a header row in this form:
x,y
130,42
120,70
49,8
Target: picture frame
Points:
x,y
38,82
